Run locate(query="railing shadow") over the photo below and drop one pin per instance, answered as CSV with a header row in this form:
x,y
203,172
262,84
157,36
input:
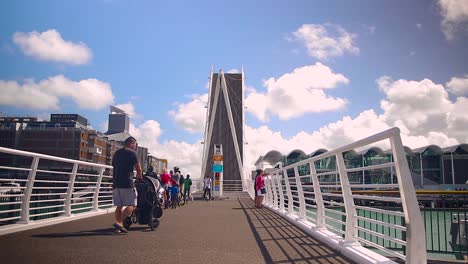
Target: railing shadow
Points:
x,y
282,242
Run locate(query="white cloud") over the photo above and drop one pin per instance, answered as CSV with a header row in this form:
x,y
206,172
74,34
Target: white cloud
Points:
x,y
325,41
233,71
297,93
50,46
457,120
87,94
191,116
454,16
419,106
184,155
421,109
129,109
458,86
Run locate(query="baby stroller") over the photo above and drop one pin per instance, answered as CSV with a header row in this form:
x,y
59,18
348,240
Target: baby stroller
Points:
x,y
149,203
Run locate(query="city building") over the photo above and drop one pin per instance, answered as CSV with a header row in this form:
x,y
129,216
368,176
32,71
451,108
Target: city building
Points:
x,y
66,135
159,165
118,131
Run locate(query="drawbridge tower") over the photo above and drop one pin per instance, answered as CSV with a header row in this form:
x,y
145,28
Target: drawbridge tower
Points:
x,y
224,131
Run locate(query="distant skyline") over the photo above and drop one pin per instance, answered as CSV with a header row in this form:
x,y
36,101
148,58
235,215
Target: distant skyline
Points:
x,y
319,74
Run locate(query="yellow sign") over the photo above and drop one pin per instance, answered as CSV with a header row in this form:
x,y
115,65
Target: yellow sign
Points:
x,y
217,182
217,158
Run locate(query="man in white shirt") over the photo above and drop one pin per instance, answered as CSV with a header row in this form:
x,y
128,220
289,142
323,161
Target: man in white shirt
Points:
x,y
207,187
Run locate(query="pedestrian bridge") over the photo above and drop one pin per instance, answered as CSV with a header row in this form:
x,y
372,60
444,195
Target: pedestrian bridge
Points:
x,y
311,215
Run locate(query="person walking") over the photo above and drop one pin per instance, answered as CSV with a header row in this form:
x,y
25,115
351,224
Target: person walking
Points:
x,y
151,172
260,190
181,183
123,189
187,184
165,181
207,187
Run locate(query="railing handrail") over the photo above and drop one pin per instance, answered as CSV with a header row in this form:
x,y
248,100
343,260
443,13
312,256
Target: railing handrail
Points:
x,y
49,157
366,141
348,234
51,193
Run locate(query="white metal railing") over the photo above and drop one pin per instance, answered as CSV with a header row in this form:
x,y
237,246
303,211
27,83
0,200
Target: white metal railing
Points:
x,y
37,187
228,187
328,199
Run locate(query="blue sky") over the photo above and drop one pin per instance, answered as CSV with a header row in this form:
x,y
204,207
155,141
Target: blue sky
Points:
x,y
318,73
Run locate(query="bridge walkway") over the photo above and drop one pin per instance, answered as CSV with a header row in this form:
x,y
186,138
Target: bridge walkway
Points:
x,y
220,231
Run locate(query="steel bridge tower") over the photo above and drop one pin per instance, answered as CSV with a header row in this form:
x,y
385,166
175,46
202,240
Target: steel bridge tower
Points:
x,y
225,128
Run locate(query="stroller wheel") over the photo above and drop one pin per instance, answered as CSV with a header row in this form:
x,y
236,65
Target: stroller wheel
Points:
x,y
127,222
154,224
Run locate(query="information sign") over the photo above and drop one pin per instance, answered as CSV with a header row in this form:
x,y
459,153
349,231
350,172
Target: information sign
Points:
x,y
217,168
217,158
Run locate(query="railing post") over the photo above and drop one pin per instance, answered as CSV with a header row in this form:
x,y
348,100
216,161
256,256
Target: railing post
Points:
x,y
320,221
24,215
97,190
275,195
415,233
300,193
288,190
351,220
280,190
71,185
268,199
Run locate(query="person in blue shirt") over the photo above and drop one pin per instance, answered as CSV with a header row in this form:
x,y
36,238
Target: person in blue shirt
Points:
x,y
174,194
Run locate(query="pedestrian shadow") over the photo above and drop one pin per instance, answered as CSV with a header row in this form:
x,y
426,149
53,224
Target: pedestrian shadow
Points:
x,y
280,241
90,233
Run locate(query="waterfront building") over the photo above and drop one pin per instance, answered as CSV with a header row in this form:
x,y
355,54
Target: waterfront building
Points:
x,y
431,167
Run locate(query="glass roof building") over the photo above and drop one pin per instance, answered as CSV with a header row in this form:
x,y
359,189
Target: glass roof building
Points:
x,y
431,167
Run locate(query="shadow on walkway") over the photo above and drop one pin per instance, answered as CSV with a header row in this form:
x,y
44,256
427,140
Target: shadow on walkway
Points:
x,y
282,242
90,233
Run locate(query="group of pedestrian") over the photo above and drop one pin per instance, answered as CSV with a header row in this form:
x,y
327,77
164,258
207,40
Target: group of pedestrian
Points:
x,y
124,194
173,183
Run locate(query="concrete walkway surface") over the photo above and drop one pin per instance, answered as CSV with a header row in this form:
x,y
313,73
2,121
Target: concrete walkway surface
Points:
x,y
220,231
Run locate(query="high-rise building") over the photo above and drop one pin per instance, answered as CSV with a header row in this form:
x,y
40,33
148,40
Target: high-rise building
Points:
x,y
225,121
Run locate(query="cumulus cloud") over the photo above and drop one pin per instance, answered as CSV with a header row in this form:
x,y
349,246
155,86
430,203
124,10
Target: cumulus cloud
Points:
x,y
418,106
296,93
50,46
458,85
421,109
184,155
233,71
325,41
129,109
87,94
454,17
191,116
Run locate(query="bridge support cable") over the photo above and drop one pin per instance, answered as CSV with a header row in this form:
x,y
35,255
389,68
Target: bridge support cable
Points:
x,y
207,142
231,123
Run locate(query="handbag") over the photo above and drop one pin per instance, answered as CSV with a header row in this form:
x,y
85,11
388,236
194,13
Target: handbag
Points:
x,y
263,190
